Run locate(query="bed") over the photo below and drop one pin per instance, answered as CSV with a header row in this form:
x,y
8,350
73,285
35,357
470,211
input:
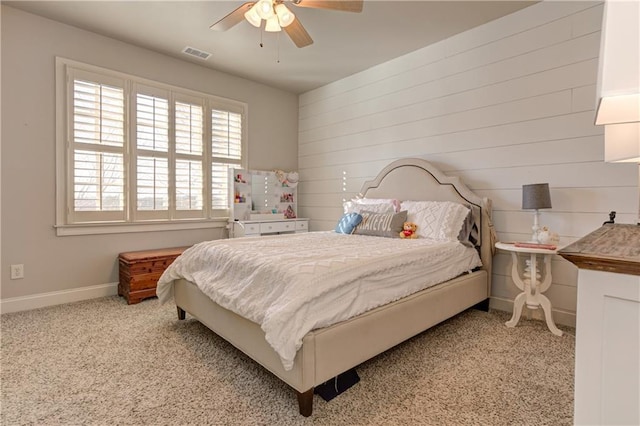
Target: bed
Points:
x,y
325,352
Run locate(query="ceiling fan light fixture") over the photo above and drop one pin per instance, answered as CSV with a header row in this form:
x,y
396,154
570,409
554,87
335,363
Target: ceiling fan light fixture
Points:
x,y
252,16
265,9
272,25
285,16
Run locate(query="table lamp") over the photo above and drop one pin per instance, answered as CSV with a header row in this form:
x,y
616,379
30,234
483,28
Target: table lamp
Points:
x,y
535,197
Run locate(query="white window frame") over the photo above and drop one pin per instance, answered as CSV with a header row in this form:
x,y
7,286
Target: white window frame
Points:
x,y
134,220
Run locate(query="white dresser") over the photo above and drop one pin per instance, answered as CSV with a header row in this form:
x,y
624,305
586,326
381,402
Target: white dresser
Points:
x,y
607,375
607,369
246,228
262,203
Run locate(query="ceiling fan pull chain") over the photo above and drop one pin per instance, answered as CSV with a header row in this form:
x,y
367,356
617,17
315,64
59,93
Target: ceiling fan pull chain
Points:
x,y
278,51
261,33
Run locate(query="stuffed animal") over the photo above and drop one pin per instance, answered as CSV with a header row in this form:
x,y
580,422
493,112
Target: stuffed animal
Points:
x,y
289,213
409,230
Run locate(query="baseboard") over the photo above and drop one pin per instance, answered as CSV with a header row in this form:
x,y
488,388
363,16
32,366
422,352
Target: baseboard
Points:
x,y
41,300
560,317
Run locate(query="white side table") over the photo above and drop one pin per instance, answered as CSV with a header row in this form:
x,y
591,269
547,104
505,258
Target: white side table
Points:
x,y
530,283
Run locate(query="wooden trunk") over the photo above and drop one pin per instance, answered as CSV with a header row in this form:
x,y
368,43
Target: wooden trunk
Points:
x,y
141,270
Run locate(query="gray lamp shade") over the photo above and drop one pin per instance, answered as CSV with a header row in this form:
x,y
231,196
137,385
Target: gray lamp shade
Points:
x,y
536,196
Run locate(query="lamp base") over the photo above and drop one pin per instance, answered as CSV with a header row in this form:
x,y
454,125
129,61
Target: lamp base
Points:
x,y
535,228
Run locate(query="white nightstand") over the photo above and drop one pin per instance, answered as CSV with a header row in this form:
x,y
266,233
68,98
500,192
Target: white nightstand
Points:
x,y
529,281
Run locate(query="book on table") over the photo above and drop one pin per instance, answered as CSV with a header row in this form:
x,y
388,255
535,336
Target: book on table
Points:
x,y
536,245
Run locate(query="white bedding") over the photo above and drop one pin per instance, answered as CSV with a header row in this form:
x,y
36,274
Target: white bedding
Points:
x,y
292,284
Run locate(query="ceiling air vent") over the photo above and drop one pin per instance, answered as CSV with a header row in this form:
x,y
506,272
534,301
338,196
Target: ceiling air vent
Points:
x,y
197,53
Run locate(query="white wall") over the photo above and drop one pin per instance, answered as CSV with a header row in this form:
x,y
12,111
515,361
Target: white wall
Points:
x,y
54,264
505,104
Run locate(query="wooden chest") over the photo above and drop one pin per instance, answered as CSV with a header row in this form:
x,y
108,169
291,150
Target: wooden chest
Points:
x,y
141,270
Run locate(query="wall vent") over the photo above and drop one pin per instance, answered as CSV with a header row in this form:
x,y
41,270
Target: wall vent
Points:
x,y
197,53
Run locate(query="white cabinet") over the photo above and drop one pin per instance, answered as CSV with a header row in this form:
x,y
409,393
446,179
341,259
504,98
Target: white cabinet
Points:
x,y
607,375
240,194
261,195
262,203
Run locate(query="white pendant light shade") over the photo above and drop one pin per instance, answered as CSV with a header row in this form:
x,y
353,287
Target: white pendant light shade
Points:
x,y
622,143
252,16
285,16
619,109
619,81
272,25
265,9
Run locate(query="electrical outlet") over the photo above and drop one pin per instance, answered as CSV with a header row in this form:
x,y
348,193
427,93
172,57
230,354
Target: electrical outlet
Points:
x,y
17,271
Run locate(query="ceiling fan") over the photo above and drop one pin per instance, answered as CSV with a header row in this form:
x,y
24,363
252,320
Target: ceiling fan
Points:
x,y
277,16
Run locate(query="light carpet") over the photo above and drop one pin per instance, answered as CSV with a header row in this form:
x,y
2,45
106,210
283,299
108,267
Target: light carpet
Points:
x,y
103,362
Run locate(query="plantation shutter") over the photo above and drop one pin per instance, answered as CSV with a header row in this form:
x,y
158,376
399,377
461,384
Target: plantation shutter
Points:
x,y
226,152
189,157
96,147
135,151
151,154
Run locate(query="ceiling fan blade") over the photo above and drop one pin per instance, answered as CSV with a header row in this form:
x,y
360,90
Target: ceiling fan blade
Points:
x,y
232,19
298,34
343,5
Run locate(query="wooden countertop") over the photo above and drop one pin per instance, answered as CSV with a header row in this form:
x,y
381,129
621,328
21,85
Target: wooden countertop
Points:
x,y
610,248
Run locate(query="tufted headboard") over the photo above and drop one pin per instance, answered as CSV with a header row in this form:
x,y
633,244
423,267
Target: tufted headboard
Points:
x,y
417,179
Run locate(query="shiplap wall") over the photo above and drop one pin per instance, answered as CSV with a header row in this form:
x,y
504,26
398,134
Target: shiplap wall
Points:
x,y
505,104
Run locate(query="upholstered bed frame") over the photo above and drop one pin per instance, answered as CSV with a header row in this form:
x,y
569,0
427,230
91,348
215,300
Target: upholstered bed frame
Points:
x,y
327,352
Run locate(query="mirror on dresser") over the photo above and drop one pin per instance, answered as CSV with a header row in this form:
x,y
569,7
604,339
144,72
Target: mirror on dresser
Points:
x,y
263,202
264,192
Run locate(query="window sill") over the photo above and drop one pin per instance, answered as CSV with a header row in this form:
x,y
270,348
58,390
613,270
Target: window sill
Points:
x,y
125,228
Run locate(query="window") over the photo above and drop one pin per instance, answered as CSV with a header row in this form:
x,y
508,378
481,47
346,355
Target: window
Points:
x,y
138,152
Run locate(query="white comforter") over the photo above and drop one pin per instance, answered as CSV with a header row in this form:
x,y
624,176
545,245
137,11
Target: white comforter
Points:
x,y
292,284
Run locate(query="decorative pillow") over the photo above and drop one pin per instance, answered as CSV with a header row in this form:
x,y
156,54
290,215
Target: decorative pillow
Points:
x,y
465,231
381,224
437,220
377,205
348,222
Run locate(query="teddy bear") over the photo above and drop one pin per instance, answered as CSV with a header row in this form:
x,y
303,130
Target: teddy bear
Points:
x,y
545,236
409,230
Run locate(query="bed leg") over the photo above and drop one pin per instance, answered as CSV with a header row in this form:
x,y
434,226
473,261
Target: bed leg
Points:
x,y
482,306
181,313
305,402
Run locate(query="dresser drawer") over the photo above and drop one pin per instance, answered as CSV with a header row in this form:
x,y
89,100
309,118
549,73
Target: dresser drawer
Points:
x,y
251,228
272,227
256,228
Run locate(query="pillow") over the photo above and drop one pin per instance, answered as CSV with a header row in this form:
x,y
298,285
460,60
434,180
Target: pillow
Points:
x,y
437,220
347,223
394,202
372,208
381,224
377,205
465,231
